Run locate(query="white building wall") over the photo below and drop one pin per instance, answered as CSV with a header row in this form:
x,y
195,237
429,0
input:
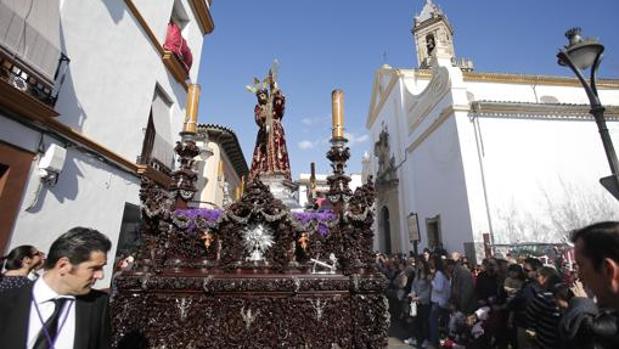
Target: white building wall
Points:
x,y
157,16
106,96
471,149
485,162
537,169
112,76
439,186
88,193
209,186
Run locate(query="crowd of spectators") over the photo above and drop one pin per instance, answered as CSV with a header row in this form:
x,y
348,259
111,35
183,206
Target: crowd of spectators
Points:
x,y
443,300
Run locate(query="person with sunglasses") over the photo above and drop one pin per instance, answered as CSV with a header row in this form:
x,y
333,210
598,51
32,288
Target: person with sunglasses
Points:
x,y
521,300
19,264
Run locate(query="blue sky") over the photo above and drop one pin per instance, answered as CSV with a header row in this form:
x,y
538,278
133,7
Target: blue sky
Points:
x,y
326,44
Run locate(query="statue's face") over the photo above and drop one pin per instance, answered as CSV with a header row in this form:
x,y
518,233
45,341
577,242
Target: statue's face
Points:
x,y
262,96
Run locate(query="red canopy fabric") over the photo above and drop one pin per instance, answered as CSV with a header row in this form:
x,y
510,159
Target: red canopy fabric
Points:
x,y
175,43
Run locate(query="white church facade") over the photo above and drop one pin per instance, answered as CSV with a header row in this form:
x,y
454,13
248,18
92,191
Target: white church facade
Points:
x,y
465,159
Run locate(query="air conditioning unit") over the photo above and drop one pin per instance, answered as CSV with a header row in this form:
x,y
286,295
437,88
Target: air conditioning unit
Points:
x,y
18,82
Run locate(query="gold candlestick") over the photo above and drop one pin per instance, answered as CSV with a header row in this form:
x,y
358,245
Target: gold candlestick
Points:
x,y
337,113
313,179
191,116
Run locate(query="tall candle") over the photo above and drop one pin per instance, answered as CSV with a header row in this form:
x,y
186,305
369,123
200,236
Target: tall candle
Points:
x,y
313,178
242,185
191,118
337,113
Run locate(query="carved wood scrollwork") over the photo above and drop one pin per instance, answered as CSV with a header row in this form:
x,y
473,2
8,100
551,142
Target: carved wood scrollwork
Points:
x,y
185,293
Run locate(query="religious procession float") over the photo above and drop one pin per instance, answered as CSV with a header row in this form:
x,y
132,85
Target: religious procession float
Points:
x,y
254,274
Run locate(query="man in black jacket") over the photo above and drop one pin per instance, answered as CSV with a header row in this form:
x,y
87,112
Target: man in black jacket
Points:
x,y
584,324
61,310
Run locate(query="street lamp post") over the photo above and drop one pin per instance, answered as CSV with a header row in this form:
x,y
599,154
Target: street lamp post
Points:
x,y
581,54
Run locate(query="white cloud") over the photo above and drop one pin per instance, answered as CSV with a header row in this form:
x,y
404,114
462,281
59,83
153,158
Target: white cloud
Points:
x,y
307,121
353,139
305,144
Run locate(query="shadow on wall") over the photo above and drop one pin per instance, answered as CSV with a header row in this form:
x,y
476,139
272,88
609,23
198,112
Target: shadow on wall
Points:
x,y
116,9
71,112
68,183
82,174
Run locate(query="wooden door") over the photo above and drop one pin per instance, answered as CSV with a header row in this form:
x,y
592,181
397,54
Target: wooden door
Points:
x,y
14,169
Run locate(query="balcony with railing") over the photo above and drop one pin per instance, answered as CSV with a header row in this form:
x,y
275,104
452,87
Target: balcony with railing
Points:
x,y
32,66
25,79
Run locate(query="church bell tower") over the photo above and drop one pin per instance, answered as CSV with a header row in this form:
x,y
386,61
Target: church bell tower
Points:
x,y
434,38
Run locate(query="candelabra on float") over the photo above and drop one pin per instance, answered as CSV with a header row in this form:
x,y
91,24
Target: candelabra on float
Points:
x,y
183,188
339,192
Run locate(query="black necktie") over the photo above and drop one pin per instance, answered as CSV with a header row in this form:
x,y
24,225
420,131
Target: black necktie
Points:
x,y
50,326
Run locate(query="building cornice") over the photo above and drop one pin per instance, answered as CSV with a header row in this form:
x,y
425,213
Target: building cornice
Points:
x,y
557,111
510,78
535,79
430,22
202,10
170,61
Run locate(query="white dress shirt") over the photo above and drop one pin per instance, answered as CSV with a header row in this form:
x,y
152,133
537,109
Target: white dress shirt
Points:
x,y
43,299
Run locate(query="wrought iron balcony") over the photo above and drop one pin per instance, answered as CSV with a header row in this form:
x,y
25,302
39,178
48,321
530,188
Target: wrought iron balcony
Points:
x,y
26,80
30,57
154,163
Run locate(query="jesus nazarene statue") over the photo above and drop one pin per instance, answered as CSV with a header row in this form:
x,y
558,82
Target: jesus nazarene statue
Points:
x,y
270,153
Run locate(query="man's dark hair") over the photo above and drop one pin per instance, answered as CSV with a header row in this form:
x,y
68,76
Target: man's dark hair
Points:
x,y
600,241
535,263
77,244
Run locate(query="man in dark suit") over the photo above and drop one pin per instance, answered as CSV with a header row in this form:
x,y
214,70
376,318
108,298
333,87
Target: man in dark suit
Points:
x,y
61,310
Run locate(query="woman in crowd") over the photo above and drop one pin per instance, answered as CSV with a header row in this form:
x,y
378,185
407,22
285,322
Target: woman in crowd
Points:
x,y
18,264
420,294
439,297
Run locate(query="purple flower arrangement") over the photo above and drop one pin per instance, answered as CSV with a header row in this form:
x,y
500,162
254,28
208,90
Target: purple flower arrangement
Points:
x,y
210,214
191,214
321,219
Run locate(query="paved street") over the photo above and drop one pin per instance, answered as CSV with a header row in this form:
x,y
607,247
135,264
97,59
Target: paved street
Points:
x,y
396,343
397,333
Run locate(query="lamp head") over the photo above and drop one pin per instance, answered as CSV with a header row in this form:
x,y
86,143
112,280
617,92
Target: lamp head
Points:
x,y
582,52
